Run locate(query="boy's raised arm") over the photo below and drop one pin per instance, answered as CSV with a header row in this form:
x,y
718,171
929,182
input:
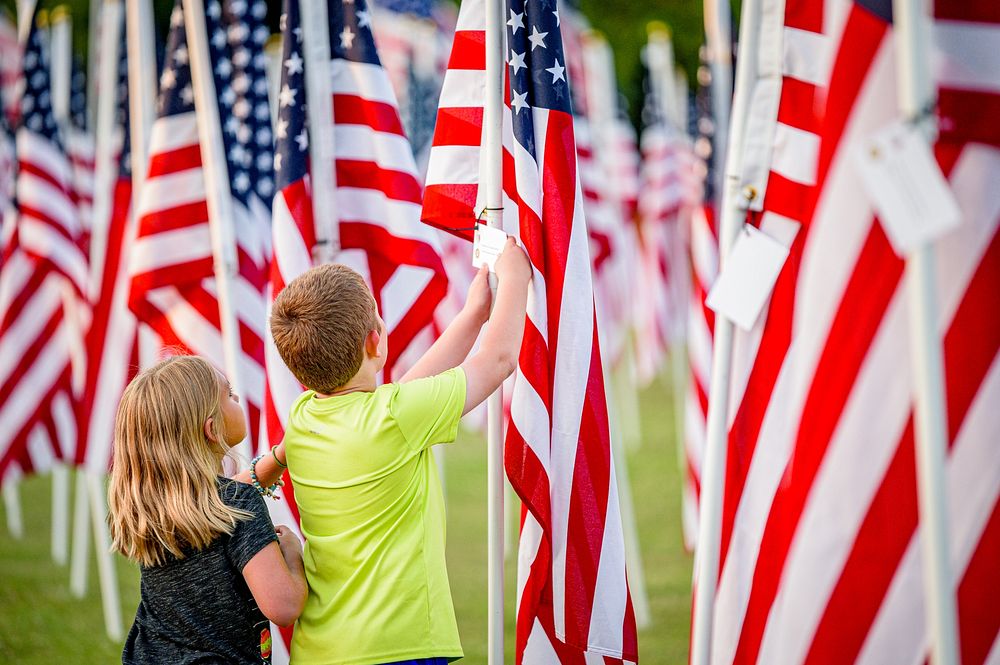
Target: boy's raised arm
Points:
x,y
497,355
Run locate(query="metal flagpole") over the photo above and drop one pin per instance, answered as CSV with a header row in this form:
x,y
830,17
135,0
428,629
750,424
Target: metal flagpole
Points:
x,y
315,26
912,31
493,183
219,197
717,426
12,505
60,62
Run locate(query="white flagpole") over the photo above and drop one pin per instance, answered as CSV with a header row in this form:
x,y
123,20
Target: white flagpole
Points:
x,y
315,24
141,39
219,197
107,72
93,58
916,92
493,182
717,426
718,38
12,506
60,62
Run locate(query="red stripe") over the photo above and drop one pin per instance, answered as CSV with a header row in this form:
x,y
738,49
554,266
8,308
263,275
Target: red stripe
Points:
x,y
799,105
450,208
468,51
804,15
979,620
459,126
354,110
396,185
183,216
974,11
968,115
174,161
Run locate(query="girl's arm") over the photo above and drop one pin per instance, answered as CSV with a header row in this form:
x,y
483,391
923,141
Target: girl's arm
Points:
x,y
277,579
269,471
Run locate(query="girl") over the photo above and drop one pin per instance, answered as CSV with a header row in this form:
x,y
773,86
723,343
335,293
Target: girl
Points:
x,y
213,567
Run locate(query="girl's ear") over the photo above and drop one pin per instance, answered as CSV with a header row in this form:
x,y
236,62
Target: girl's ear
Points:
x,y
210,430
371,344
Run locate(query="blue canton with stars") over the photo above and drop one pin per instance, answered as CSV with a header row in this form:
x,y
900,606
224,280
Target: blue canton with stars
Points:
x,y
122,112
291,141
351,35
78,95
536,65
177,93
36,102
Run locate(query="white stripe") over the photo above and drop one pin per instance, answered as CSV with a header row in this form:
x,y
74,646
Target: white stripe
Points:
x,y
966,55
463,88
610,591
529,416
290,253
795,154
170,248
41,449
362,79
389,151
172,190
13,277
39,194
471,16
173,132
28,326
40,377
401,291
807,56
44,155
37,238
399,218
453,164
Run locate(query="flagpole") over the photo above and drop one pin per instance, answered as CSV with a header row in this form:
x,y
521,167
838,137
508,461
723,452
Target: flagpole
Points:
x,y
140,39
916,93
717,423
315,26
12,505
493,182
93,57
60,63
718,42
218,194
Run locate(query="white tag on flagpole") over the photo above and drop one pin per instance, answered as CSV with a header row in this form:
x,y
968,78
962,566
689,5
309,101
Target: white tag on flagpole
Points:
x,y
912,197
487,245
748,277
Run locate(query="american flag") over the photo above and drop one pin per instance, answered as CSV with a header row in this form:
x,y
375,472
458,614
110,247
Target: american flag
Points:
x,y
820,554
573,599
111,342
173,283
10,68
80,148
42,273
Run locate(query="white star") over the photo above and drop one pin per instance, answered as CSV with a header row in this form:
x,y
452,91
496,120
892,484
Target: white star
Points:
x,y
177,17
556,14
214,10
232,124
517,61
287,96
187,94
282,129
168,78
516,21
181,55
557,72
219,39
518,101
346,38
294,64
241,182
537,38
277,161
224,68
228,97
303,140
298,34
364,19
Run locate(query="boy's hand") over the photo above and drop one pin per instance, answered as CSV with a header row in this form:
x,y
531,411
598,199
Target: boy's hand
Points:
x,y
288,542
479,298
513,263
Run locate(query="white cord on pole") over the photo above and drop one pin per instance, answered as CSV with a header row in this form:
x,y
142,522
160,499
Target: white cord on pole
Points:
x,y
912,32
717,425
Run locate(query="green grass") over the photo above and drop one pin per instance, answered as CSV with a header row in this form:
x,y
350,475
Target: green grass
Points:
x,y
41,622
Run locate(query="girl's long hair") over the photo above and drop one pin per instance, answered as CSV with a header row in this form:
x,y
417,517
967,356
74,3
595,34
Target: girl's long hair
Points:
x,y
163,496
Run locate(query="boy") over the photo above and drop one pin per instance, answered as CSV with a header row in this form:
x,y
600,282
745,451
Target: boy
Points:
x,y
365,482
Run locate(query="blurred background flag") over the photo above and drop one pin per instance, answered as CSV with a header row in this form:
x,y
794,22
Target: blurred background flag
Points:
x,y
573,600
820,550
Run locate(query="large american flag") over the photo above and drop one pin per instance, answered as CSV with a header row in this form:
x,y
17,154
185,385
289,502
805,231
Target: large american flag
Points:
x,y
44,272
173,283
820,546
573,599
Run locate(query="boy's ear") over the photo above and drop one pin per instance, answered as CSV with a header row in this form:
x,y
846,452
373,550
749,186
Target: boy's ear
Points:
x,y
371,343
210,430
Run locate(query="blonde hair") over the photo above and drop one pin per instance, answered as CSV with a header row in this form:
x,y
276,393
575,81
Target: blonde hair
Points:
x,y
163,496
319,323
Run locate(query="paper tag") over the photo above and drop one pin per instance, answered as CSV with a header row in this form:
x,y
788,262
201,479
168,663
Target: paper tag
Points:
x,y
912,197
487,245
748,277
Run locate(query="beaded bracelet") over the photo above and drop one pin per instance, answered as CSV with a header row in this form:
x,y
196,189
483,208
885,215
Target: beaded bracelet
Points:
x,y
271,491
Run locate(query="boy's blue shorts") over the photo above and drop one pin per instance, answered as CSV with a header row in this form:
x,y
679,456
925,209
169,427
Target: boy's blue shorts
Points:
x,y
422,661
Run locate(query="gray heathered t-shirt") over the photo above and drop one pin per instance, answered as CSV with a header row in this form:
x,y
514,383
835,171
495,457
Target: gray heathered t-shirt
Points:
x,y
199,609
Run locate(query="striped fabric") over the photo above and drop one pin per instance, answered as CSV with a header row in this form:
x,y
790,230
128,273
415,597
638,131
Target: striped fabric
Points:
x,y
573,603
43,272
821,559
111,341
10,68
173,285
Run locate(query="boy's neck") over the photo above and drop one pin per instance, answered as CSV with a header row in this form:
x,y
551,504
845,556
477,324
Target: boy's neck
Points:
x,y
362,382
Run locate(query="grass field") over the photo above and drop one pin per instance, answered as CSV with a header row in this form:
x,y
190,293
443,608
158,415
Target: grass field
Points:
x,y
42,623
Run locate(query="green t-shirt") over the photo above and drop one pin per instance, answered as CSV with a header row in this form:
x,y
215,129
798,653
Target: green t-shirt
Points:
x,y
373,517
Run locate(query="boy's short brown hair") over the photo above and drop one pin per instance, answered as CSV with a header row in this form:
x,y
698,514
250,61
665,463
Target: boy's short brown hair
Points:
x,y
319,323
